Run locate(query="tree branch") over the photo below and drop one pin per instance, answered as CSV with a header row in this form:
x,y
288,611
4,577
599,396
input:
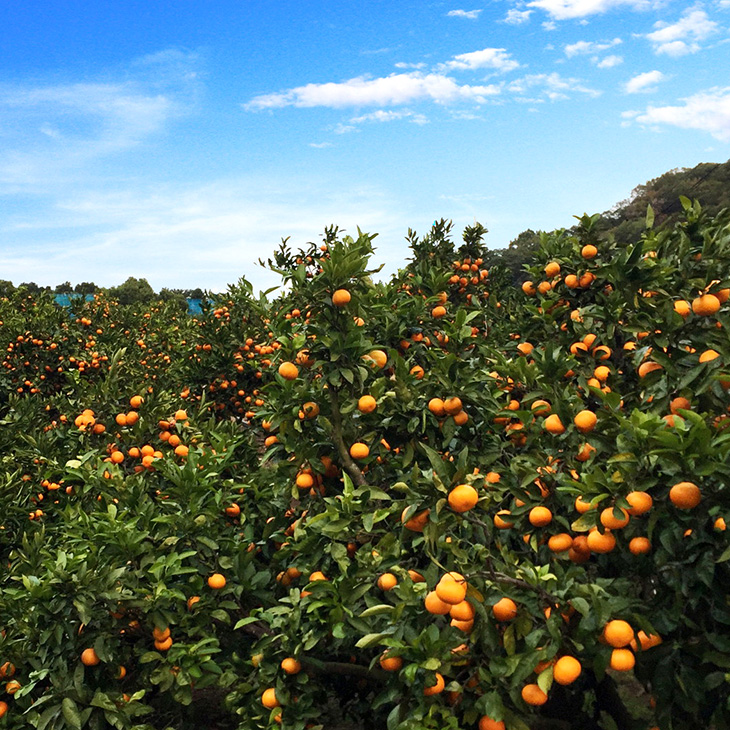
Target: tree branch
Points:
x,y
352,670
352,469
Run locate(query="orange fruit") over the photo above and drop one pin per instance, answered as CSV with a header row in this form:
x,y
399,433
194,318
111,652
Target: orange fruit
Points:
x,y
160,634
417,522
601,543
268,699
310,410
560,543
552,269
646,641
12,686
390,663
678,404
585,421
552,424
709,355
500,521
609,519
181,415
451,588
622,660
341,298
533,695
366,404
3,708
618,633
682,307
136,401
705,305
359,451
566,670
529,288
589,251
463,498
387,581
648,367
463,611
582,506
505,609
435,605
540,408
288,370
377,358
438,312
435,688
640,502
89,657
540,516
486,723
436,406
163,645
685,495
217,581
291,666
639,545
453,405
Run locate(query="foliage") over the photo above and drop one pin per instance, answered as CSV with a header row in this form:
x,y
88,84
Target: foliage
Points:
x,y
144,453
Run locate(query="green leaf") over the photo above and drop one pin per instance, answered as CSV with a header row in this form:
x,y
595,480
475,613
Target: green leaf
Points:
x,y
71,713
377,610
369,640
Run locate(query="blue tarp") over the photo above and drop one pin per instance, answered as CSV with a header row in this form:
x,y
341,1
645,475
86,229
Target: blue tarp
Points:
x,y
65,300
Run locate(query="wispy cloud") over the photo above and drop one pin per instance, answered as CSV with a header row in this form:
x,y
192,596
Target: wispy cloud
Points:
x,y
644,82
54,131
105,237
491,58
551,86
517,17
708,111
588,47
607,61
470,14
684,36
572,9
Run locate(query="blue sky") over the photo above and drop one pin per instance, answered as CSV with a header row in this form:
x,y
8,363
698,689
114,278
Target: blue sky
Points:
x,y
180,141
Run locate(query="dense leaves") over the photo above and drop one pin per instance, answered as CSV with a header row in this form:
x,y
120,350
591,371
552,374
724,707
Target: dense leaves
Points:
x,y
397,509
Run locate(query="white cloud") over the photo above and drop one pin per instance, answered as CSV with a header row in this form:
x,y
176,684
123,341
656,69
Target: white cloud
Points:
x,y
553,86
381,115
586,47
608,61
708,111
684,36
156,231
384,91
644,83
55,131
494,58
320,145
549,25
470,14
517,17
402,64
572,9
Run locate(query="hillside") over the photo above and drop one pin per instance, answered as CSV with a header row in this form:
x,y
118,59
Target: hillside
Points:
x,y
708,182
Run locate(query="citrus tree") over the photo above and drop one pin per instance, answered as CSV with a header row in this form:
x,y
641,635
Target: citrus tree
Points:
x,y
440,501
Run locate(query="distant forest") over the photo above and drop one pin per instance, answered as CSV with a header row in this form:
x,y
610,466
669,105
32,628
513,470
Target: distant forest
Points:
x,y
708,182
